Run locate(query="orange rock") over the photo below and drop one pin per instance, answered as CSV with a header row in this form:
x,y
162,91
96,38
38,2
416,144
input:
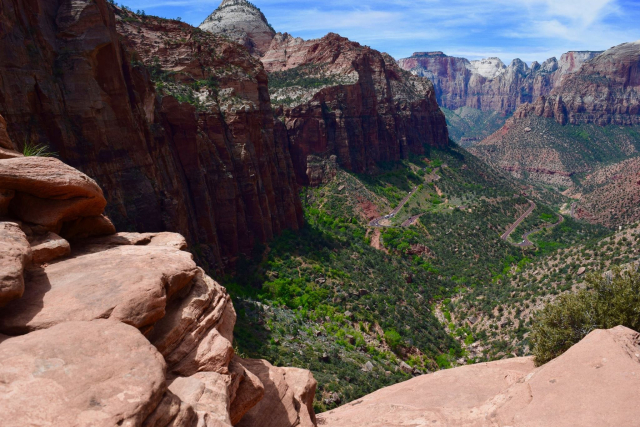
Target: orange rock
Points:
x,y
15,255
281,405
100,373
128,283
89,226
247,391
593,384
48,192
48,247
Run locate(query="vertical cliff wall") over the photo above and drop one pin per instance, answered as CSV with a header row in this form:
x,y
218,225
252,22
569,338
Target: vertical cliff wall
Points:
x,y
488,84
216,174
338,98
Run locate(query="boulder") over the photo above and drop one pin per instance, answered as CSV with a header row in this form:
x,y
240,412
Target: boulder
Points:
x,y
48,247
15,255
128,283
595,383
247,391
281,405
303,386
48,192
100,373
196,333
207,394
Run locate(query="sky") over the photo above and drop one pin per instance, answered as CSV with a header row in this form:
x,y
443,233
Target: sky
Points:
x,y
532,30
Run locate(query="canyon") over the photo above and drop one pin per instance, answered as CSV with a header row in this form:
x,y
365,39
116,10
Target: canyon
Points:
x,y
223,177
340,102
179,203
589,121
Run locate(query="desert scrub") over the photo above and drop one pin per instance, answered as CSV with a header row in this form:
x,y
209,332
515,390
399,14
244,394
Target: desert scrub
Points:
x,y
609,300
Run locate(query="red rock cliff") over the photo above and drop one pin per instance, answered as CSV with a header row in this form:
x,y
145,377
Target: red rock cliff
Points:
x,y
345,100
216,174
606,90
488,84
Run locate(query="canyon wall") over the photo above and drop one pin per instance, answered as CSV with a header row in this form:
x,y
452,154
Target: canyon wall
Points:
x,y
585,122
338,98
605,90
218,175
488,84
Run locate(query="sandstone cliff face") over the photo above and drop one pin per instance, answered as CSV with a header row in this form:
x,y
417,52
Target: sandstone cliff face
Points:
x,y
605,90
536,144
488,84
242,22
338,98
100,328
592,384
214,172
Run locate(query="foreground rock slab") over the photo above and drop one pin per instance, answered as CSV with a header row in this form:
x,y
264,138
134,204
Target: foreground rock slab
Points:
x,y
281,404
100,373
48,192
594,384
126,283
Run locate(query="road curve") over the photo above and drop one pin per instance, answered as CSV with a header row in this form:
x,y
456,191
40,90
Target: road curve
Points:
x,y
525,237
376,222
515,225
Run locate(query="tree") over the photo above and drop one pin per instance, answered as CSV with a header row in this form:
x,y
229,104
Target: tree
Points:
x,y
608,300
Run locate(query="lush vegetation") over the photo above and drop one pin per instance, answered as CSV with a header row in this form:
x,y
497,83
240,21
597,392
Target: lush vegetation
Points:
x,y
609,300
305,76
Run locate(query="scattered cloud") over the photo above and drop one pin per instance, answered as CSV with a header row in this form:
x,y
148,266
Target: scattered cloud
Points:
x,y
528,29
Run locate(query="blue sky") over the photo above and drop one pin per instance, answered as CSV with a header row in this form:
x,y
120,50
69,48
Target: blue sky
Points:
x,y
527,29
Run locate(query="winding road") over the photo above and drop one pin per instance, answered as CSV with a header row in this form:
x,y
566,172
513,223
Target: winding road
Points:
x,y
525,237
515,225
376,222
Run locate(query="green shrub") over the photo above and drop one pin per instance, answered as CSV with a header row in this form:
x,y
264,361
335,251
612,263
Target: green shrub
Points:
x,y
606,302
392,338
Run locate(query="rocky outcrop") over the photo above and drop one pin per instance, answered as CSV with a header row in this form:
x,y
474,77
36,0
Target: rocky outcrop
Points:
x,y
122,329
536,144
242,22
488,84
289,394
605,90
592,384
211,170
100,373
338,98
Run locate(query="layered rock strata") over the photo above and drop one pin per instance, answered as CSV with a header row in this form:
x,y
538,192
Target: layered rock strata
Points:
x,y
338,98
489,84
593,384
213,171
605,90
536,142
113,329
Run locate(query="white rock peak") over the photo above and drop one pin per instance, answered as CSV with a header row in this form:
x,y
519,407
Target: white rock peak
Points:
x,y
489,68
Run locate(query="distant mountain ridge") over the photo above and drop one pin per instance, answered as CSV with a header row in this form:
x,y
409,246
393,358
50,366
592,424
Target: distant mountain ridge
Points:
x,y
489,84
